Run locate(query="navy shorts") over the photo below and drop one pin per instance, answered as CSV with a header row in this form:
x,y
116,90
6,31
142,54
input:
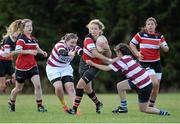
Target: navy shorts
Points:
x,y
87,73
144,93
21,76
6,67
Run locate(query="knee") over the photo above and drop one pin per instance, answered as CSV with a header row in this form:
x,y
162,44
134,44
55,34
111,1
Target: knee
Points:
x,y
119,87
18,89
71,90
38,87
143,110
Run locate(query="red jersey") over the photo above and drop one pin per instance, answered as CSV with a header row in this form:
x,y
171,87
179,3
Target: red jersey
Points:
x,y
89,45
149,45
26,62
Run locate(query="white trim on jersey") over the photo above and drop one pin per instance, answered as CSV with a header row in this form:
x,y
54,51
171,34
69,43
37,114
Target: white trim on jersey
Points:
x,y
146,38
91,46
18,47
150,46
88,53
134,41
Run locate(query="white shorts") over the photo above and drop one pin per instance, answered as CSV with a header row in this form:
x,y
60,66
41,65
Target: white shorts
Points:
x,y
57,72
152,72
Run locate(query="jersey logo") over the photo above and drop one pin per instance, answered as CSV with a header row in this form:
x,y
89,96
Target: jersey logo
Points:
x,y
145,35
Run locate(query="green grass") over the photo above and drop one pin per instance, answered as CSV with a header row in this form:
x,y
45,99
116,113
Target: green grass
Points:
x,y
26,110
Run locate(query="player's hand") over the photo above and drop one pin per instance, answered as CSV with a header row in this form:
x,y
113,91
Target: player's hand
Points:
x,y
72,53
139,55
89,62
45,54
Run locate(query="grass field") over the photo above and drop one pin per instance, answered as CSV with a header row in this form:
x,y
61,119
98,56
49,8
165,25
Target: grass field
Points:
x,y
26,110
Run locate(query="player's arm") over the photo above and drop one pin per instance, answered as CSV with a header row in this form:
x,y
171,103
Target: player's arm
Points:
x,y
101,67
107,51
39,50
102,57
164,46
19,50
135,50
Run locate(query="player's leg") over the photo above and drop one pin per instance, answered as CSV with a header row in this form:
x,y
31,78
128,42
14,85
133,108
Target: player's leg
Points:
x,y
60,94
3,84
143,96
38,92
122,87
18,88
155,90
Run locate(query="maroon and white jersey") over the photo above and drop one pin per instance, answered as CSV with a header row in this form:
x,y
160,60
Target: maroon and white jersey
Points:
x,y
132,70
58,60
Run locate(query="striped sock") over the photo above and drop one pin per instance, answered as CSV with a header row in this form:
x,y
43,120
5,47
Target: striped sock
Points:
x,y
77,101
162,112
151,103
123,104
94,98
12,101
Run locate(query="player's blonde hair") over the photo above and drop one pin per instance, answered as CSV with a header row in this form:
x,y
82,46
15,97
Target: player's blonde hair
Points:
x,y
23,22
13,28
143,29
97,22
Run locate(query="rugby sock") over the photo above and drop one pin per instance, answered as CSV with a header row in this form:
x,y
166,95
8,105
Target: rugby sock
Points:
x,y
39,103
10,81
12,101
79,95
123,104
162,112
151,103
94,98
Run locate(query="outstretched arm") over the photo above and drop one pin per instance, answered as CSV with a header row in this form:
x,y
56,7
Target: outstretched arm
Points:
x,y
101,67
135,50
102,57
44,53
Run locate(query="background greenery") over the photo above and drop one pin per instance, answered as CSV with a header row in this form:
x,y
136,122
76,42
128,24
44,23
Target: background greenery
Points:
x,y
122,18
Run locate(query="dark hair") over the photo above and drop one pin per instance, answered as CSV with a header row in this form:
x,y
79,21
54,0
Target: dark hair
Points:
x,y
124,49
69,36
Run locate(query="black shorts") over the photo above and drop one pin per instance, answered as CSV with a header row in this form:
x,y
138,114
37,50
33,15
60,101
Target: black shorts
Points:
x,y
87,73
144,93
6,67
21,76
64,79
156,66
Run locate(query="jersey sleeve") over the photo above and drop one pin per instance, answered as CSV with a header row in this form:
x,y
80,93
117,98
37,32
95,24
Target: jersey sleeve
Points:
x,y
60,46
20,44
7,45
89,43
118,65
79,50
136,39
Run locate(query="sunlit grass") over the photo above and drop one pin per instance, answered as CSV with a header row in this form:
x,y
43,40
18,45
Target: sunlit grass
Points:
x,y
26,110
